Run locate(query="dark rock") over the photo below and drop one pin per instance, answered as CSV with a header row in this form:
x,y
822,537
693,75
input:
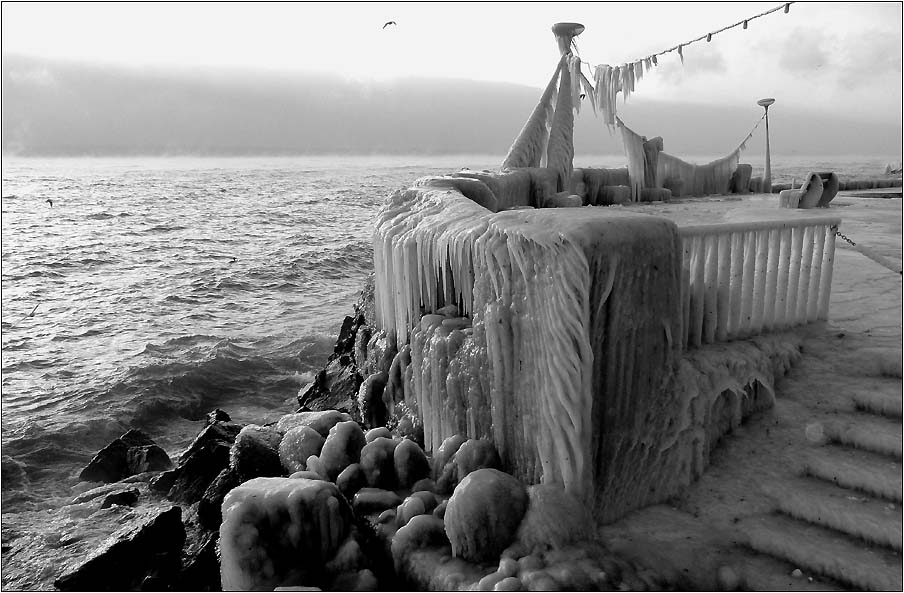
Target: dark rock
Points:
x,y
345,344
120,497
151,547
200,565
147,458
206,457
216,415
163,481
334,388
132,453
210,506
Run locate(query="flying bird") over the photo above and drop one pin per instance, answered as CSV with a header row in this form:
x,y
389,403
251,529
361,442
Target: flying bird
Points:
x,y
49,201
32,314
387,23
583,95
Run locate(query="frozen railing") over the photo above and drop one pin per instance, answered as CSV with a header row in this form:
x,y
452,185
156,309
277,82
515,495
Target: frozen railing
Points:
x,y
744,278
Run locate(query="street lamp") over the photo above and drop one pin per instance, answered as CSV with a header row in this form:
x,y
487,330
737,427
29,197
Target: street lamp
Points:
x,y
767,177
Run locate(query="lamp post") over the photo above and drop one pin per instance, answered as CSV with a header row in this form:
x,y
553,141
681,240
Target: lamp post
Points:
x,y
767,176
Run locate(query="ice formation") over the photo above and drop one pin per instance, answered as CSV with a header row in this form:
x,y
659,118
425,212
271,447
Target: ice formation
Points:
x,y
280,531
484,513
297,445
711,178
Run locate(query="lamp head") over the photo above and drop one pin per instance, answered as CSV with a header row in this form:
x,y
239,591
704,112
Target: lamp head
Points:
x,y
765,102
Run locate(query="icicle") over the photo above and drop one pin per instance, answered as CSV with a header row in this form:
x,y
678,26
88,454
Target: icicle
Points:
x,y
655,60
574,67
681,54
745,24
590,91
787,7
638,71
709,37
529,148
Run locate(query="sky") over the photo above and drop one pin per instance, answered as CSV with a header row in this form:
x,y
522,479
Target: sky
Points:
x,y
829,59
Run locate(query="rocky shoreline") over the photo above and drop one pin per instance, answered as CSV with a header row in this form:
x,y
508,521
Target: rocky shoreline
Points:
x,y
144,522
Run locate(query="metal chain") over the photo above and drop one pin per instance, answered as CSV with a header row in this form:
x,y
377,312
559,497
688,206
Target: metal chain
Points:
x,y
842,235
868,252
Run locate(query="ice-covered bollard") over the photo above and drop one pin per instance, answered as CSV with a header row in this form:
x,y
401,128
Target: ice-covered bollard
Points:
x,y
280,532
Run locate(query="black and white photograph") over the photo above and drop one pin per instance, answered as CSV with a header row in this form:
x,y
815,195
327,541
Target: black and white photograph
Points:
x,y
451,296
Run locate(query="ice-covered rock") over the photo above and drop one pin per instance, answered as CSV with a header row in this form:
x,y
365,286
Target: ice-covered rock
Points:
x,y
374,500
374,433
297,445
410,463
370,399
420,531
484,513
378,464
255,452
342,448
280,532
322,422
351,479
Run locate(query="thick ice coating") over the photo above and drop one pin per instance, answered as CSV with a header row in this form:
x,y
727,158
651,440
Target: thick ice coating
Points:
x,y
279,531
483,514
342,448
297,445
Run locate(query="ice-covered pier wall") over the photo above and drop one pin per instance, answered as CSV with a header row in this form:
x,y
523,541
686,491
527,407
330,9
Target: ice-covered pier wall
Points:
x,y
561,333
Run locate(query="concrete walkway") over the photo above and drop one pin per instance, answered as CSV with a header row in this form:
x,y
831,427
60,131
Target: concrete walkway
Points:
x,y
806,496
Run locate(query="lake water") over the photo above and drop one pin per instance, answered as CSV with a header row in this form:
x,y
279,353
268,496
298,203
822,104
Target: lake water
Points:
x,y
162,288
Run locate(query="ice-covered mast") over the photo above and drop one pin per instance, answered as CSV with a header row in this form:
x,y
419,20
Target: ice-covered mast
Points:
x,y
547,137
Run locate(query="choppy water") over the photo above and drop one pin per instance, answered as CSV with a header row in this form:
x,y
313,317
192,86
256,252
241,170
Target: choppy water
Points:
x,y
167,287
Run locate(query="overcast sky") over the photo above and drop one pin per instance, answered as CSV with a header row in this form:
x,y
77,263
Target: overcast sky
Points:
x,y
826,59
830,57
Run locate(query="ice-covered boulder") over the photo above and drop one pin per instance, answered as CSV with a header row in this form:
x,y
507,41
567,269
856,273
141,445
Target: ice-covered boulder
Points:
x,y
374,433
322,422
255,452
410,463
280,532
484,513
297,445
471,455
350,480
377,463
341,448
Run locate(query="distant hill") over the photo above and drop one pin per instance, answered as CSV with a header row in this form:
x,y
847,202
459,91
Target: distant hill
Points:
x,y
59,108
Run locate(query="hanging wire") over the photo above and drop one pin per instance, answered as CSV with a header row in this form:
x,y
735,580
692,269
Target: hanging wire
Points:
x,y
707,36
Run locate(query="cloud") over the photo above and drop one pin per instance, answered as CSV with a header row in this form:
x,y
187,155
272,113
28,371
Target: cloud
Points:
x,y
699,59
870,53
804,51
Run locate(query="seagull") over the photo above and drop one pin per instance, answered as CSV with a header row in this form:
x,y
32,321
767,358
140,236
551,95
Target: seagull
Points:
x,y
583,95
234,259
49,201
387,23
